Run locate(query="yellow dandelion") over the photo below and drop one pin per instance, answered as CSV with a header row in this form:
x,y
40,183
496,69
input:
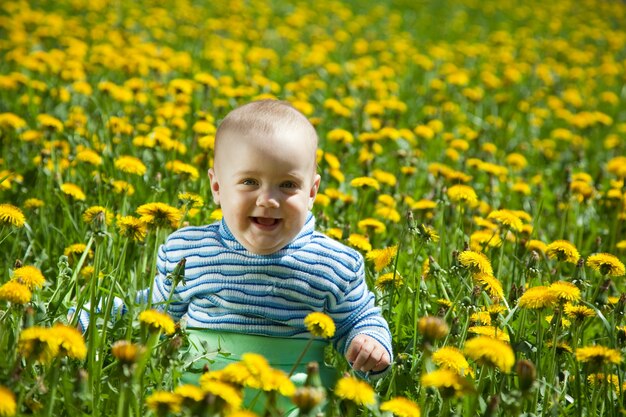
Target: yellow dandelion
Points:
x,y
157,321
89,156
561,347
93,212
37,343
189,393
15,293
30,276
606,264
360,242
536,246
365,182
191,199
491,284
564,321
424,204
73,191
352,389
33,203
598,355
490,331
475,262
320,325
481,239
599,379
127,352
433,328
449,357
11,216
159,215
70,340
490,351
242,413
389,280
230,395
132,228
371,224
183,169
382,257
8,405
401,407
76,250
481,317
562,250
578,312
130,165
506,219
163,402
448,382
50,122
565,291
537,297
460,193
122,187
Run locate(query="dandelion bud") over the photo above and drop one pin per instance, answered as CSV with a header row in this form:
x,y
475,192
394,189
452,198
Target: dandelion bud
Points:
x,y
492,407
307,398
178,274
619,307
313,375
126,352
17,264
526,374
433,328
603,294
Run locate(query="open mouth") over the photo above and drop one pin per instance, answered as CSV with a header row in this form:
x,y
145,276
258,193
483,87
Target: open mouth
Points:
x,y
266,222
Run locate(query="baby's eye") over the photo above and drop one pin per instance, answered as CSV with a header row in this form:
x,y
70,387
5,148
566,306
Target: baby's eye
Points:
x,y
249,181
289,185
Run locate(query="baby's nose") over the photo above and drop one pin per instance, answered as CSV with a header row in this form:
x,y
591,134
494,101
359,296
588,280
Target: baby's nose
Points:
x,y
267,199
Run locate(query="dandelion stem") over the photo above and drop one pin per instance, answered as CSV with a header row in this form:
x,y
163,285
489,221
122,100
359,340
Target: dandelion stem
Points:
x,y
295,365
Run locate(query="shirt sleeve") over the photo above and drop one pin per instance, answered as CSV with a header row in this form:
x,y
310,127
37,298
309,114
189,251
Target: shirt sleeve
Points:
x,y
364,317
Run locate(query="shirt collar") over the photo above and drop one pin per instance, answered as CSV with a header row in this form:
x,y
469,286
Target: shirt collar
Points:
x,y
301,239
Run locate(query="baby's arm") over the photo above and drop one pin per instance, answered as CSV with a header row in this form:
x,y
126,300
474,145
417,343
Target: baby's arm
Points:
x,y
366,354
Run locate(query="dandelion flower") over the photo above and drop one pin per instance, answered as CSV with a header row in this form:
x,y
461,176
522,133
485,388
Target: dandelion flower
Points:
x,y
565,291
8,405
506,219
487,350
225,391
401,407
159,215
76,250
191,199
389,280
537,297
183,169
598,355
130,165
427,233
73,191
11,216
599,379
15,293
157,321
490,331
132,228
33,203
371,224
433,328
476,262
89,156
320,325
190,393
38,343
122,187
491,284
481,239
93,212
382,257
536,245
448,382
606,264
30,276
562,250
460,193
449,357
360,242
354,390
70,340
365,182
127,352
163,402
578,312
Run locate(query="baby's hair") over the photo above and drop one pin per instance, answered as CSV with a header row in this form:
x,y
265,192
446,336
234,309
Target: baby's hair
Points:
x,y
265,118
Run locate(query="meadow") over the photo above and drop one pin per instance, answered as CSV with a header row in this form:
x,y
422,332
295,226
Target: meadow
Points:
x,y
472,151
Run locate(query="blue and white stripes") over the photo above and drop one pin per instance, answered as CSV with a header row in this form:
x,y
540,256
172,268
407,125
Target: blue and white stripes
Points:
x,y
229,288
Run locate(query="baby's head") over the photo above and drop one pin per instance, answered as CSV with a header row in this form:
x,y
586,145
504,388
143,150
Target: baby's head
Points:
x,y
264,173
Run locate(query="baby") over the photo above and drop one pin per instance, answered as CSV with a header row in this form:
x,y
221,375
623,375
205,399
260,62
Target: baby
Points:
x,y
252,278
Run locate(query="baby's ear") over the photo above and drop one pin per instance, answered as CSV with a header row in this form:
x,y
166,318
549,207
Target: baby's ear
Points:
x,y
314,188
215,186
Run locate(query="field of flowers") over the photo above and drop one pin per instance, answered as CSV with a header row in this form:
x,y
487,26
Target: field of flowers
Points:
x,y
473,151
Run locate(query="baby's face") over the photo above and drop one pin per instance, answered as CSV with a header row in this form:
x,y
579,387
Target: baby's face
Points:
x,y
265,188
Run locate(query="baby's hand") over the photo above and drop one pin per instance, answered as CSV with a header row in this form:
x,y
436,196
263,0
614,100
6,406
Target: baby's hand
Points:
x,y
366,354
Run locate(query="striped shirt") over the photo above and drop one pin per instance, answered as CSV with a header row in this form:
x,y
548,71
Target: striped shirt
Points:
x,y
229,288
